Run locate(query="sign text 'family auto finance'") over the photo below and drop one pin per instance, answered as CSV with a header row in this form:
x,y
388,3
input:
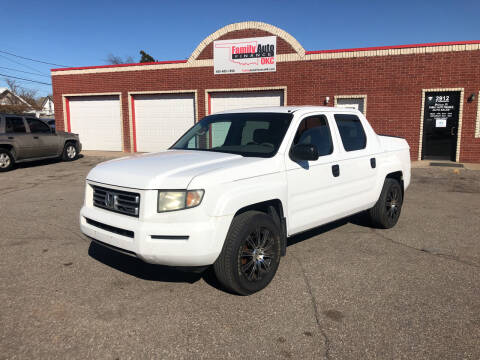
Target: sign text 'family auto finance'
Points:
x,y
245,55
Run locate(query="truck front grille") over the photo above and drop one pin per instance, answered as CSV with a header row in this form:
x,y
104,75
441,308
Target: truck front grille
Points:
x,y
122,202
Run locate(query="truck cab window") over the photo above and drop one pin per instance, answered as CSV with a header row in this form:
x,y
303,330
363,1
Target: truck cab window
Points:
x,y
351,131
314,130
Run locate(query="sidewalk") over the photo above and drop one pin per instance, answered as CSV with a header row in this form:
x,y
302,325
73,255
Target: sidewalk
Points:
x,y
426,164
108,154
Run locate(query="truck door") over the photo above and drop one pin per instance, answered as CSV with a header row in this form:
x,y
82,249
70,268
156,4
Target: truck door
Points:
x,y
357,163
312,195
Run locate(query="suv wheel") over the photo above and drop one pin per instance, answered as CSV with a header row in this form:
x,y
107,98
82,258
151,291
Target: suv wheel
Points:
x,y
69,152
386,211
250,254
6,160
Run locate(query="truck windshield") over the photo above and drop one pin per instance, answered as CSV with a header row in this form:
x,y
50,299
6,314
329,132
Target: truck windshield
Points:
x,y
246,134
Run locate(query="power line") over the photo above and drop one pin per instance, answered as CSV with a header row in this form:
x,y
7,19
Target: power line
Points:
x,y
26,58
21,64
26,72
19,78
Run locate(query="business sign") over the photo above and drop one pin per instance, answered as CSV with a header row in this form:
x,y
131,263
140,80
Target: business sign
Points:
x,y
442,107
245,55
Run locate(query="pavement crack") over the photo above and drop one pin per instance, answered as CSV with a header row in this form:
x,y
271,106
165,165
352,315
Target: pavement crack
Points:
x,y
313,300
14,190
427,251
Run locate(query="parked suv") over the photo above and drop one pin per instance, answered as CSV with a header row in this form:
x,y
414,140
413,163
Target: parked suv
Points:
x,y
231,190
26,138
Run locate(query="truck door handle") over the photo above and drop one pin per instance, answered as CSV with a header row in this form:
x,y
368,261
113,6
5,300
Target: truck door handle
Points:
x,y
452,130
11,138
335,170
373,163
35,137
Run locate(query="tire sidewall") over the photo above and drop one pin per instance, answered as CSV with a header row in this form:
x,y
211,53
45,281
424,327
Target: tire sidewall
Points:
x,y
387,221
12,160
259,220
65,155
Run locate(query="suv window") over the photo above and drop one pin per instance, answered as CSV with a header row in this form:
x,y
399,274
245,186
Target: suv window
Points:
x,y
37,126
314,130
14,125
351,131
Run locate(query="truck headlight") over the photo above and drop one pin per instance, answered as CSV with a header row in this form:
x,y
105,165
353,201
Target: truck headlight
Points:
x,y
178,200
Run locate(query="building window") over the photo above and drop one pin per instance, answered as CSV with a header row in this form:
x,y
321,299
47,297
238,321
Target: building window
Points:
x,y
358,102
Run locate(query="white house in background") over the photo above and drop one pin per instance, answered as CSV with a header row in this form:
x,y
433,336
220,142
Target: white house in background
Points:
x,y
9,98
47,107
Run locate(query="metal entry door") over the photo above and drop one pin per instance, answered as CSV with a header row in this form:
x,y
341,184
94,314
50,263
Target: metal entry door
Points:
x,y
440,125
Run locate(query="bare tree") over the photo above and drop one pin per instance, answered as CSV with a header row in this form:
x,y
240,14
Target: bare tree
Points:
x,y
29,95
115,59
14,87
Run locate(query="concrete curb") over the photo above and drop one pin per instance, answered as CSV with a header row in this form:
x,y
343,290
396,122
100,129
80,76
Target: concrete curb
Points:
x,y
426,164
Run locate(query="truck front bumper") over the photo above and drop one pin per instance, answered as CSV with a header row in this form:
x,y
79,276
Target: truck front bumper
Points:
x,y
181,238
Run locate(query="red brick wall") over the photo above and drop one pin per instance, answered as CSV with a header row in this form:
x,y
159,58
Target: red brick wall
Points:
x,y
393,85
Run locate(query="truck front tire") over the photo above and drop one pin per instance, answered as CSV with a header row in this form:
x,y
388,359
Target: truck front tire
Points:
x,y
250,254
386,211
70,151
6,160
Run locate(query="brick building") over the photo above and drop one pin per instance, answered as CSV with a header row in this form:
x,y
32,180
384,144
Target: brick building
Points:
x,y
428,93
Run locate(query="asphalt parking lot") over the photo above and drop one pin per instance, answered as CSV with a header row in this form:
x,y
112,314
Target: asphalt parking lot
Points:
x,y
344,291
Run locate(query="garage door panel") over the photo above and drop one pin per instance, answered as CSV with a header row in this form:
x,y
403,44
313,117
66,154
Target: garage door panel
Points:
x,y
160,119
246,99
97,119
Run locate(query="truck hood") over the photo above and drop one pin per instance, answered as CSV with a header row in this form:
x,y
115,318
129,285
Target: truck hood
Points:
x,y
172,169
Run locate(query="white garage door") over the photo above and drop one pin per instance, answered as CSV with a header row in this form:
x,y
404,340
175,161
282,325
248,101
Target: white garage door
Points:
x,y
98,122
240,100
161,119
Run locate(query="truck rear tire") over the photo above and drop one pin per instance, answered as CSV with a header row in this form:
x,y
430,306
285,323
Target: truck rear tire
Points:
x,y
6,160
250,255
386,211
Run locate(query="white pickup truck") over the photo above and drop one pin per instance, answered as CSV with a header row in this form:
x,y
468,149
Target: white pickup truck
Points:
x,y
236,185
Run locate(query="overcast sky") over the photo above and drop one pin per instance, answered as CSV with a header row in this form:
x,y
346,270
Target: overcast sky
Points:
x,y
83,33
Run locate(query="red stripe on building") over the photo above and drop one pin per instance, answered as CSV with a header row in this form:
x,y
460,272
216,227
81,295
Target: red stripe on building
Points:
x,y
67,108
121,65
134,126
390,47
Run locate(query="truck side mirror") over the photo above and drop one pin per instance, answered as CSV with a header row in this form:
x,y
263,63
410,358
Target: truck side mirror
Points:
x,y
304,152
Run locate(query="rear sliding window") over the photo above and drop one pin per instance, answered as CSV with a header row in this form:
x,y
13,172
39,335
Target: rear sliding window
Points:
x,y
351,131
